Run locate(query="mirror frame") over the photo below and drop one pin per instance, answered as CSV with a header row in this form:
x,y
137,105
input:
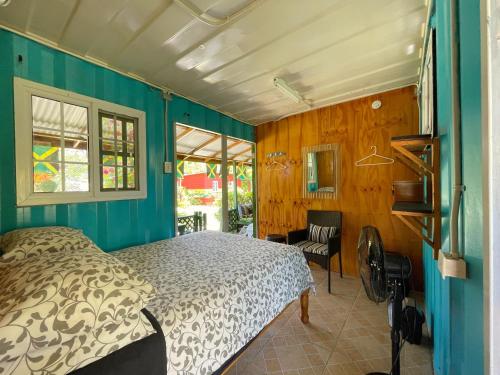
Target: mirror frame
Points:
x,y
320,148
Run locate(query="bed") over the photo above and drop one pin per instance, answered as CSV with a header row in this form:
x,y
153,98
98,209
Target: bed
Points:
x,y
216,292
187,305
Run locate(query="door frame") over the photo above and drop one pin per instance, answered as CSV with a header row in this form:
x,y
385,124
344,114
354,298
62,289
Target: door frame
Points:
x,y
490,92
224,186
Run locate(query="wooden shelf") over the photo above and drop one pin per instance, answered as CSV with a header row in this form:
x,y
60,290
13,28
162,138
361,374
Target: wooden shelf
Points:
x,y
420,153
412,209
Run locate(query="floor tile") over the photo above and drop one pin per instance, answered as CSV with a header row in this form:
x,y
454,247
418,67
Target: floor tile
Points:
x,y
348,334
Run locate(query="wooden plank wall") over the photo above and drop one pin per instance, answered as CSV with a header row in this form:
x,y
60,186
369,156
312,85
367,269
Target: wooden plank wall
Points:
x,y
365,192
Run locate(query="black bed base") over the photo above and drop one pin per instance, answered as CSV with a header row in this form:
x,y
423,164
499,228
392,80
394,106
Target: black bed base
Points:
x,y
144,357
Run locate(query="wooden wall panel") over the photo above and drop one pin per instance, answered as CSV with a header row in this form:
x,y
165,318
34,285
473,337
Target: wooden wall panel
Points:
x,y
365,192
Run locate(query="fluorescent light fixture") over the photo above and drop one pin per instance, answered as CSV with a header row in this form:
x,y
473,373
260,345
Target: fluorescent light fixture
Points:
x,y
288,91
410,49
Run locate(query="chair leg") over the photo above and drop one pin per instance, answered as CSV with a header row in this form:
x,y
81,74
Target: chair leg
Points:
x,y
340,264
329,277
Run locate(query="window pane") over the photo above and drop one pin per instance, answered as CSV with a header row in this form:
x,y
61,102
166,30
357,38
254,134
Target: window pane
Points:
x,y
130,132
76,177
108,145
108,160
76,149
46,177
119,146
108,177
75,119
108,127
131,178
46,148
118,152
119,129
130,148
120,177
46,113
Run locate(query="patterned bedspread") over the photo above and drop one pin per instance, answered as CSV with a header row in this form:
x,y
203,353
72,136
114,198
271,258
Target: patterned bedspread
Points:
x,y
215,292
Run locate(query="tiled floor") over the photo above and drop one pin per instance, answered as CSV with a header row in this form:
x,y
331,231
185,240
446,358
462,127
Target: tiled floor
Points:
x,y
347,334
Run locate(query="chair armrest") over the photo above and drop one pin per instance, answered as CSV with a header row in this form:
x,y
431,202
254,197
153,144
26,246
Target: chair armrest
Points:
x,y
297,236
334,244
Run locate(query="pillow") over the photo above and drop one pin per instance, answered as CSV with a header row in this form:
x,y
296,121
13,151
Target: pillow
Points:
x,y
60,311
24,243
320,234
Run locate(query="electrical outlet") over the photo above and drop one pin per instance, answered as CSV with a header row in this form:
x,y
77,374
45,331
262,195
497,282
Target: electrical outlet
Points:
x,y
167,167
451,267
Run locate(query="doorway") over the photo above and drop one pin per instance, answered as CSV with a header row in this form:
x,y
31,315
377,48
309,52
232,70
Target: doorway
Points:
x,y
206,197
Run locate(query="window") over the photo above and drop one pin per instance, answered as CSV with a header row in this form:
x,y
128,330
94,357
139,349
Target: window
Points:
x,y
117,152
60,146
72,148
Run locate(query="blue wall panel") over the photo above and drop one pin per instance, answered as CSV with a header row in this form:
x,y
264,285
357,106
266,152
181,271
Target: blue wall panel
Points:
x,y
455,307
114,224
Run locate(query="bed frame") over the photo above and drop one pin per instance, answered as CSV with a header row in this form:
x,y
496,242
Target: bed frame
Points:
x,y
148,355
304,306
145,356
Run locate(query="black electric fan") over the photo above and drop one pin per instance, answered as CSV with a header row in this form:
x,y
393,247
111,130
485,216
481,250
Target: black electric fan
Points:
x,y
385,276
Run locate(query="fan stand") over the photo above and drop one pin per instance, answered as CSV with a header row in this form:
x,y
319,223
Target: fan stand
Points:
x,y
396,298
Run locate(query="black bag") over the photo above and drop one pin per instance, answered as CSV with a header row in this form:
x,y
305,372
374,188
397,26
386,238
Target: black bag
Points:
x,y
411,325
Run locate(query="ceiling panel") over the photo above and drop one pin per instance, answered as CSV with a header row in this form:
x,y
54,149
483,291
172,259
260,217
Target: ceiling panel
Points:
x,y
327,50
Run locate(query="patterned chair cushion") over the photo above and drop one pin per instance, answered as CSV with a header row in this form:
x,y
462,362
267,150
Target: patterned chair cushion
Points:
x,y
312,247
24,243
320,234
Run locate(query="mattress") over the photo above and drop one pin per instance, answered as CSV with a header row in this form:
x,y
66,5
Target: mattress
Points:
x,y
216,292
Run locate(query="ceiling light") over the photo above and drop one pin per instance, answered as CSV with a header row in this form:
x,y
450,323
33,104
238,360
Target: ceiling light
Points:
x,y
288,91
4,3
410,49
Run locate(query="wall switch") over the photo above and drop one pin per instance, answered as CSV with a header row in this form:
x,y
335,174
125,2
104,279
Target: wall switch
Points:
x,y
451,267
167,167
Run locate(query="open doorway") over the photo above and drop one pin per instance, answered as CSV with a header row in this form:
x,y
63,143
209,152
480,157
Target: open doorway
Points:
x,y
206,197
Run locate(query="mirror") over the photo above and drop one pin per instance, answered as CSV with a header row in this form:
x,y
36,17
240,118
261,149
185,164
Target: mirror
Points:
x,y
321,171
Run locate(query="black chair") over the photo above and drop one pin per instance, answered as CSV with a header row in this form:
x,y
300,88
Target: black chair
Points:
x,y
316,252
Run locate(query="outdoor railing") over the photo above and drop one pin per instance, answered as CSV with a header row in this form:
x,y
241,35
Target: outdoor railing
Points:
x,y
192,223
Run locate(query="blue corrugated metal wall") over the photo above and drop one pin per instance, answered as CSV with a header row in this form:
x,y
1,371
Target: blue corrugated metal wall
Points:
x,y
115,224
455,307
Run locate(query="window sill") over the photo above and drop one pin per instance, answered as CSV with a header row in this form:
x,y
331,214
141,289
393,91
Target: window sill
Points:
x,y
41,200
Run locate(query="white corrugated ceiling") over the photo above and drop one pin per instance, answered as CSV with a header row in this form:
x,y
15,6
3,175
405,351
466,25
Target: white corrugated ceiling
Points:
x,y
329,51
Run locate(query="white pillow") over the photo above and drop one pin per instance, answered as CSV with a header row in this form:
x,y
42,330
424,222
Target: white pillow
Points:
x,y
24,243
62,310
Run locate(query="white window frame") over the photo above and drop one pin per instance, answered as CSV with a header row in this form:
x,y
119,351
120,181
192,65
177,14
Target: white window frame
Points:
x,y
23,91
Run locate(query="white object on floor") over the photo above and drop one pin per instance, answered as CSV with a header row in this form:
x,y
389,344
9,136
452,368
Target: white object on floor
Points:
x,y
250,230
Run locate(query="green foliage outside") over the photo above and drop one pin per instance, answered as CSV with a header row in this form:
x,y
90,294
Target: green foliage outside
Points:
x,y
192,197
245,196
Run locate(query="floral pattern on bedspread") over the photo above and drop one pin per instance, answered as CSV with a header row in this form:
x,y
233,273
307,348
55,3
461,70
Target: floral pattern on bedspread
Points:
x,y
215,292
